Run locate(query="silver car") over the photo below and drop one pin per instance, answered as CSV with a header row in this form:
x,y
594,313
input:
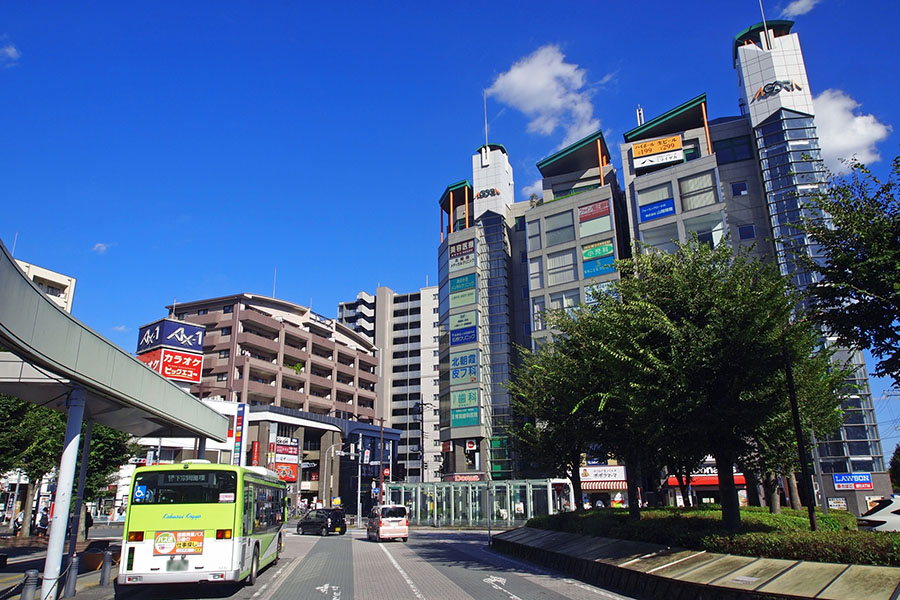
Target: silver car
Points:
x,y
884,516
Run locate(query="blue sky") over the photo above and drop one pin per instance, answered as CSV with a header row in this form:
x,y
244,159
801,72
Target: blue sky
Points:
x,y
160,151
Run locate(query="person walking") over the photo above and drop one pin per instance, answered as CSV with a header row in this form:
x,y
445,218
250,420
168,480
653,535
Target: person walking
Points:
x,y
88,523
43,522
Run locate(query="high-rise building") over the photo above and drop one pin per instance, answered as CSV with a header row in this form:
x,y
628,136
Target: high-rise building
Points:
x,y
777,101
56,286
404,329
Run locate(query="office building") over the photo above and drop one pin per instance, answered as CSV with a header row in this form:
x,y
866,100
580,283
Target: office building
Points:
x,y
404,329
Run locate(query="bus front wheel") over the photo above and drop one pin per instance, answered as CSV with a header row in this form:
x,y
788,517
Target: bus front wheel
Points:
x,y
254,567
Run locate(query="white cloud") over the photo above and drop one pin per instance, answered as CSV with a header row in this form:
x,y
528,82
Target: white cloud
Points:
x,y
550,92
9,55
120,328
843,133
100,248
799,7
535,188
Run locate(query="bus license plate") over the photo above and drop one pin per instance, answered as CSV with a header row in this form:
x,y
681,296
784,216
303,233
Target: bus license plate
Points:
x,y
177,565
337,529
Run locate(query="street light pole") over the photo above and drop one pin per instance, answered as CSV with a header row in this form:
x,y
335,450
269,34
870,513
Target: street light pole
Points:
x,y
381,461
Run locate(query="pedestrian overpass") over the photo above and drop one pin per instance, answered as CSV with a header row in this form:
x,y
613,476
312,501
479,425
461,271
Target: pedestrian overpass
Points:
x,y
61,363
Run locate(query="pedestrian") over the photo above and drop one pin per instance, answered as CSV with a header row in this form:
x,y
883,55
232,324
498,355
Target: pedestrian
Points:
x,y
88,523
43,522
17,524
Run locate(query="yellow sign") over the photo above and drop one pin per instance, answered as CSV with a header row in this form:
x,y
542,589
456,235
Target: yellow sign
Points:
x,y
656,146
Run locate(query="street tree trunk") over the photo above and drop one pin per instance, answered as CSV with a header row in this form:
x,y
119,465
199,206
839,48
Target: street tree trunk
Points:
x,y
753,495
770,484
683,487
631,475
576,483
792,491
731,510
28,507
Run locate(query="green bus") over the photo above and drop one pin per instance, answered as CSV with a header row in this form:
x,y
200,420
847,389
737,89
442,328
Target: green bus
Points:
x,y
200,522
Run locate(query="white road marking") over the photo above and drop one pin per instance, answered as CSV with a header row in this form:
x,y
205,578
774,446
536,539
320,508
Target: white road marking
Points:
x,y
335,590
261,590
400,570
497,583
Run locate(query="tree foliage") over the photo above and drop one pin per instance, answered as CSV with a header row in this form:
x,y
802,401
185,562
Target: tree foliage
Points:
x,y
857,229
895,468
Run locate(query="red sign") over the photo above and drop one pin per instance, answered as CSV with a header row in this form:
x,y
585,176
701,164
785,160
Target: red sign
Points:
x,y
254,454
281,449
286,472
446,447
593,211
174,364
471,445
461,477
387,472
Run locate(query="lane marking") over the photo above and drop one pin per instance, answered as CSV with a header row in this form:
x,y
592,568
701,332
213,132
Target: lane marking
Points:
x,y
497,583
335,590
400,570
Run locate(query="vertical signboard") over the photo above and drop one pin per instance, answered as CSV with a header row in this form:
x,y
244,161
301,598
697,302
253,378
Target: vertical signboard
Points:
x,y
594,218
237,457
464,367
597,259
287,458
463,328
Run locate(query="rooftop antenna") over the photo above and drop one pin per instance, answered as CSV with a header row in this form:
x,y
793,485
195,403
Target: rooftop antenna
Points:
x,y
768,42
640,115
486,150
274,279
174,301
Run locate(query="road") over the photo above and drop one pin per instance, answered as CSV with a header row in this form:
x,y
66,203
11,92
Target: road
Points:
x,y
433,565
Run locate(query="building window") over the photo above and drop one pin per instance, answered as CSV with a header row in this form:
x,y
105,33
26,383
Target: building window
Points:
x,y
435,310
520,223
437,427
228,309
534,235
203,311
181,316
697,190
561,267
560,228
691,150
739,188
662,238
537,313
733,150
536,273
656,202
710,229
224,353
226,331
222,377
567,300
746,232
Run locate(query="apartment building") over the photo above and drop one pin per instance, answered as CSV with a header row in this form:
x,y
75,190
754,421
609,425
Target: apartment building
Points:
x,y
265,351
56,286
404,329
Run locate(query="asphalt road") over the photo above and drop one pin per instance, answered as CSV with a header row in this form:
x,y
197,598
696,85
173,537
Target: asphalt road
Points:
x,y
433,565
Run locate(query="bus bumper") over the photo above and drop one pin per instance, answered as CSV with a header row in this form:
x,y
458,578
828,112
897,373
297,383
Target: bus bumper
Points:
x,y
153,578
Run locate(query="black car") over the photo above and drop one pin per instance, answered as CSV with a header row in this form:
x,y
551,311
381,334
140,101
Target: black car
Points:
x,y
323,521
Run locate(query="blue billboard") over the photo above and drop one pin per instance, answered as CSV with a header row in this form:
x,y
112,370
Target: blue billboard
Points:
x,y
168,333
658,210
466,335
598,266
458,284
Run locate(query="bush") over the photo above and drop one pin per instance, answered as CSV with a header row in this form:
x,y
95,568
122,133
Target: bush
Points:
x,y
784,535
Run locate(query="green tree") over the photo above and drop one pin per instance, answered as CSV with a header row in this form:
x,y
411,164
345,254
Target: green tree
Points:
x,y
857,230
547,390
895,468
725,316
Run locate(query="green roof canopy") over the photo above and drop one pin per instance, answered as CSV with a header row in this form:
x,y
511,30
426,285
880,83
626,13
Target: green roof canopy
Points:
x,y
779,26
459,185
684,116
580,156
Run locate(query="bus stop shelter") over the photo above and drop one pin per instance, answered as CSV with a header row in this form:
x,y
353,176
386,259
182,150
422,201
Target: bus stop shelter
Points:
x,y
64,364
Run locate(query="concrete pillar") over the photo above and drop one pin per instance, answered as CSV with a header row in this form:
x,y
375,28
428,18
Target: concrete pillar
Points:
x,y
66,478
201,448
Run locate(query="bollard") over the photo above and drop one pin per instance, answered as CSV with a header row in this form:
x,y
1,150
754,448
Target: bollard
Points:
x,y
30,586
106,568
71,577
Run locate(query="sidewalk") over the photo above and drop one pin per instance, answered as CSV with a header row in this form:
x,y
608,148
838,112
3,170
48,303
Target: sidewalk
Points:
x,y
26,553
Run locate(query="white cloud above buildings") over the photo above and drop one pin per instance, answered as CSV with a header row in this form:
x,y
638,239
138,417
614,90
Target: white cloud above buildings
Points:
x,y
844,132
551,92
9,55
535,188
100,248
120,329
798,7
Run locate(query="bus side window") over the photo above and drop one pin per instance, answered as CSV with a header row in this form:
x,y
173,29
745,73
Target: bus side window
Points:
x,y
248,510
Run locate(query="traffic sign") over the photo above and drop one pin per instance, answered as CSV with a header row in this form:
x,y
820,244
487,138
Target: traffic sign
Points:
x,y
387,471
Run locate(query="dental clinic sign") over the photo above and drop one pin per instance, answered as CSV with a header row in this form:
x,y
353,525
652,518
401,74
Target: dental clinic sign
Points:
x,y
852,481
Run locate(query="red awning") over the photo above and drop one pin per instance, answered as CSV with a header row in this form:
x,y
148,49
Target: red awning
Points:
x,y
587,486
708,480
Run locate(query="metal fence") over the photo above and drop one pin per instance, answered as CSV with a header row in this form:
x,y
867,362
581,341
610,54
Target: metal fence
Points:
x,y
470,504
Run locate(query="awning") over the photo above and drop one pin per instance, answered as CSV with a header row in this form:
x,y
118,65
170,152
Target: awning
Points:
x,y
708,480
587,486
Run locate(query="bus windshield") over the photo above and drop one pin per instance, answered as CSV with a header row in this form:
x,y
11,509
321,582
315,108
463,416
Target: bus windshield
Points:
x,y
185,487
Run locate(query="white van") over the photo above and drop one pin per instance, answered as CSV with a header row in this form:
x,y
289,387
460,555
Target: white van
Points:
x,y
388,521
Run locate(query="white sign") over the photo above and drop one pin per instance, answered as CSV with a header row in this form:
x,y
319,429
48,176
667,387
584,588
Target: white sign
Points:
x,y
291,459
603,473
659,159
471,445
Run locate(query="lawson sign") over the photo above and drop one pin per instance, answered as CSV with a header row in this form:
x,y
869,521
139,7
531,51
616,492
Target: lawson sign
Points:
x,y
852,481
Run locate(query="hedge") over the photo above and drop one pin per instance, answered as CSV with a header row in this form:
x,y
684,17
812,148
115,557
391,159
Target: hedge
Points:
x,y
784,535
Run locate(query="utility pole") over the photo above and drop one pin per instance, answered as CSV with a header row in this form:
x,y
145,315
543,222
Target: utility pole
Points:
x,y
381,462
